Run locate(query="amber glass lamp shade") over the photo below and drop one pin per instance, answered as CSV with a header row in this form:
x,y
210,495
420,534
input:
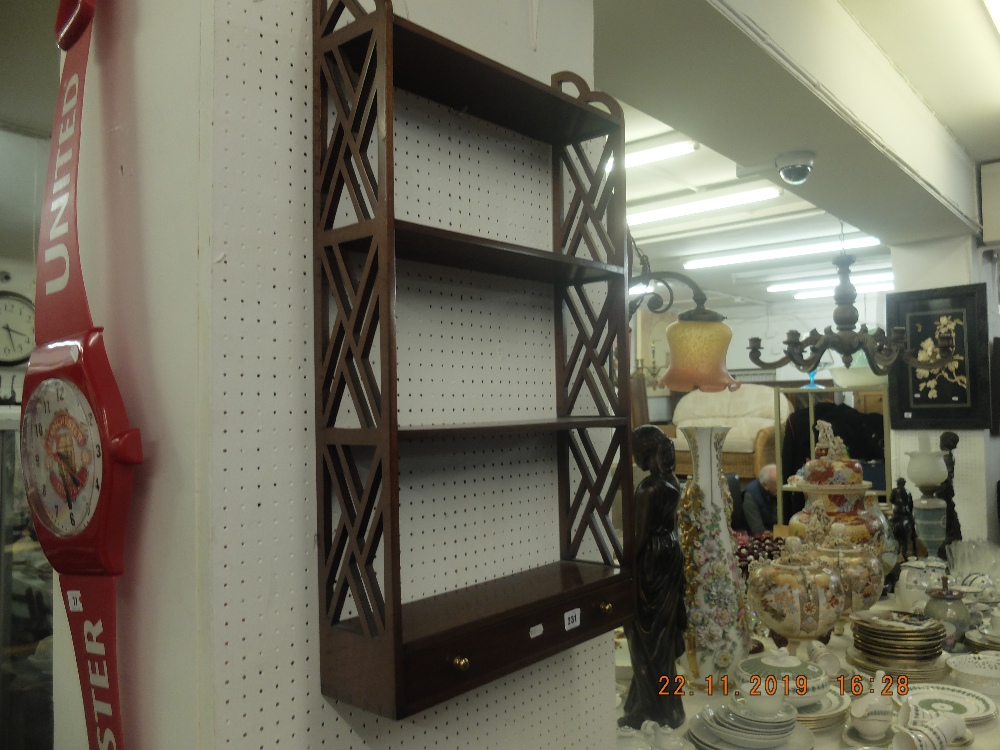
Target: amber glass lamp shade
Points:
x,y
698,356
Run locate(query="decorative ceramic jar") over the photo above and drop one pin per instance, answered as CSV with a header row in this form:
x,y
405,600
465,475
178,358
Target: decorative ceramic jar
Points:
x,y
859,567
795,596
849,505
946,606
718,633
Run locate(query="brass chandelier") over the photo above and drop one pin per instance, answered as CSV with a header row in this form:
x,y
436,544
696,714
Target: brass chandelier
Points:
x,y
881,350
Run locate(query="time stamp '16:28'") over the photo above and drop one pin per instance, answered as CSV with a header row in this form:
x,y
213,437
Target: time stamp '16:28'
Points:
x,y
785,685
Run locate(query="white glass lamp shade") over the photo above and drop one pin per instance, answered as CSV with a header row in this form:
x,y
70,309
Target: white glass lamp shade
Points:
x,y
927,470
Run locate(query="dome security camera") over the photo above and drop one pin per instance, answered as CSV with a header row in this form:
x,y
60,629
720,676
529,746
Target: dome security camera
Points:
x,y
795,166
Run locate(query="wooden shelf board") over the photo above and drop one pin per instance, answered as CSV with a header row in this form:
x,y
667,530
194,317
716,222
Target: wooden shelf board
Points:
x,y
445,248
440,70
556,424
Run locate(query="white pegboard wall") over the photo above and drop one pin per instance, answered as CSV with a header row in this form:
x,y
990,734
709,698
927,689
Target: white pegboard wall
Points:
x,y
262,554
472,347
475,510
974,499
463,174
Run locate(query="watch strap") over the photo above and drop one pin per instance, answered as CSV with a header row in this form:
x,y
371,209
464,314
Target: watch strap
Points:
x,y
61,306
92,611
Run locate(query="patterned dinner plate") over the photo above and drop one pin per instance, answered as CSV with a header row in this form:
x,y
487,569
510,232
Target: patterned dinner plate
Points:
x,y
915,670
890,620
832,704
974,707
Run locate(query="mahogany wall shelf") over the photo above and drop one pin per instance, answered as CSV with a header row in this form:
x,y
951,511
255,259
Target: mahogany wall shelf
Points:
x,y
380,650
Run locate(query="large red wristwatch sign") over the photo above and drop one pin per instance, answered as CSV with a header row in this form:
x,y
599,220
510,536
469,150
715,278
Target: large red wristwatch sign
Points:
x,y
77,448
61,300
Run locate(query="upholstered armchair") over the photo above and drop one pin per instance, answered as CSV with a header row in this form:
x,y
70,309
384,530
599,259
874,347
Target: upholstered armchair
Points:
x,y
748,412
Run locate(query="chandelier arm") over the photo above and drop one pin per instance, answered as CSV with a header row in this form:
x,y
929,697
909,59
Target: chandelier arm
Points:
x,y
882,352
933,365
755,358
810,363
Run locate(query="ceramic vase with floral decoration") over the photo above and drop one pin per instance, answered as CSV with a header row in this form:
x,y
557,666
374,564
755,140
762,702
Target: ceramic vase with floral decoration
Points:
x,y
718,633
796,596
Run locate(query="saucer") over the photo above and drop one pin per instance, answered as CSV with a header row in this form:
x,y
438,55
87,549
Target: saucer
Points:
x,y
851,736
738,705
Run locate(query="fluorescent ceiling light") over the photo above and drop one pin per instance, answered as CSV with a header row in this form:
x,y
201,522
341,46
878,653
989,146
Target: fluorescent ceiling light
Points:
x,y
659,153
701,206
655,154
830,282
776,253
816,293
817,268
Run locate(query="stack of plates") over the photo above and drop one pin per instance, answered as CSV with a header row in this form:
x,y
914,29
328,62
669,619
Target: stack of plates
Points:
x,y
982,640
829,712
972,706
732,726
898,643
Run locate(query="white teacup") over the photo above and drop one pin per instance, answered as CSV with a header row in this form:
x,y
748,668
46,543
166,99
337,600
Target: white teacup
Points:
x,y
760,701
949,726
874,724
938,735
908,738
823,657
871,718
910,714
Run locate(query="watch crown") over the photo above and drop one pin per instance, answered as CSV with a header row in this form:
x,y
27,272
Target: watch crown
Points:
x,y
126,447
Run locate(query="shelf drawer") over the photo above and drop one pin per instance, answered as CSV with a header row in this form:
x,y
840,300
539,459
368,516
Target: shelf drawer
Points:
x,y
434,670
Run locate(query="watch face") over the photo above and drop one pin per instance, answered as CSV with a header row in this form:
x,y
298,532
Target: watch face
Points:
x,y
61,456
17,328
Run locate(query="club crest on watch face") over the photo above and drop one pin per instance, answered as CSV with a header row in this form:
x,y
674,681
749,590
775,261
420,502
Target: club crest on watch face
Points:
x,y
61,456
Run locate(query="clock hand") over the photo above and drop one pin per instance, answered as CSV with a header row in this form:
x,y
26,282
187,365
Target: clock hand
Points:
x,y
66,471
14,330
10,333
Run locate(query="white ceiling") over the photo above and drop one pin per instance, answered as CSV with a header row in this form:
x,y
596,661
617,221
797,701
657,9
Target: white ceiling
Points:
x,y
686,64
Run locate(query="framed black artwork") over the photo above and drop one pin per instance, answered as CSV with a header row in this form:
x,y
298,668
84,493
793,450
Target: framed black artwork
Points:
x,y
956,397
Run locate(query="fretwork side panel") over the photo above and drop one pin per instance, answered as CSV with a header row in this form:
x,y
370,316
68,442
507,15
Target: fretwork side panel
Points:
x,y
594,459
589,201
590,373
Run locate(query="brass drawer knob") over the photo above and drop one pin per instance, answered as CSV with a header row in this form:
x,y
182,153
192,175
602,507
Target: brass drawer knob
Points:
x,y
460,663
605,607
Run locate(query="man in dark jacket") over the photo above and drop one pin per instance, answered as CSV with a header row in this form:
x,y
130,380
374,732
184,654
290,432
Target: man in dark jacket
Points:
x,y
760,501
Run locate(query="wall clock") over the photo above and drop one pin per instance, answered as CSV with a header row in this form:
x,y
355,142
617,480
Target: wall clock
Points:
x,y
17,328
